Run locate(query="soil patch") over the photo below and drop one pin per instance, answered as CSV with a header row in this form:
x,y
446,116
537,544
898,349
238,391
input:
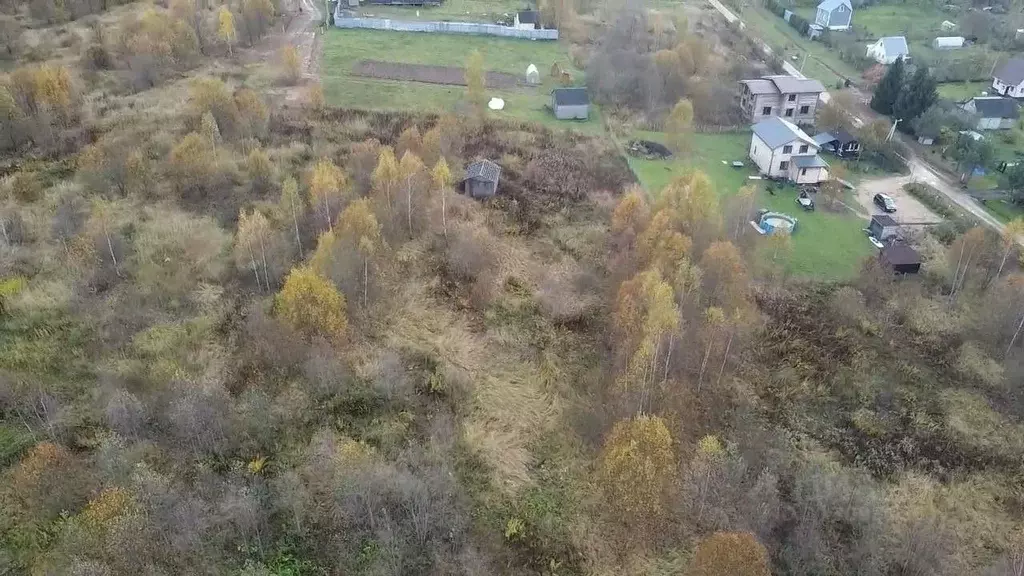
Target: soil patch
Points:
x,y
429,74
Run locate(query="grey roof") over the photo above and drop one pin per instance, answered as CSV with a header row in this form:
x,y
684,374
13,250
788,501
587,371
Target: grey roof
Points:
x,y
483,170
884,220
996,107
571,96
845,137
895,46
760,86
823,138
529,17
775,132
809,161
1012,72
791,85
831,5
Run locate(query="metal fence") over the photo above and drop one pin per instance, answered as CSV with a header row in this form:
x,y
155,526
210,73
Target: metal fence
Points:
x,y
442,27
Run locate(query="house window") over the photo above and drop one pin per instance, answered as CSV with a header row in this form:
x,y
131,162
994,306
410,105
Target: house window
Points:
x,y
803,148
805,109
787,149
792,97
766,111
784,165
789,112
803,171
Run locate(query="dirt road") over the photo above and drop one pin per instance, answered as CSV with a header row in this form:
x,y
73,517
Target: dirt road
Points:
x,y
909,210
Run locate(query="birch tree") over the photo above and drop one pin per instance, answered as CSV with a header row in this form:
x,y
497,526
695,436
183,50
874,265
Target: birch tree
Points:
x,y
442,179
292,205
101,223
326,188
386,175
410,168
360,227
226,28
251,245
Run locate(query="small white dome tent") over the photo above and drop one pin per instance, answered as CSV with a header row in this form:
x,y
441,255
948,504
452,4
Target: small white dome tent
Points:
x,y
532,75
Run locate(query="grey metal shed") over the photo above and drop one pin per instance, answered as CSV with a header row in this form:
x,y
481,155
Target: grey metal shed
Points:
x,y
570,103
481,179
883,227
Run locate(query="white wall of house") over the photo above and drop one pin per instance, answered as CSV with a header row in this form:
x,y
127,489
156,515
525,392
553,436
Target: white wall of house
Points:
x,y
777,162
877,51
999,87
994,124
808,175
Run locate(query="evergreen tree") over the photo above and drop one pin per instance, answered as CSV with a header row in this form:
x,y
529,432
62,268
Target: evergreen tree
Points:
x,y
888,89
917,96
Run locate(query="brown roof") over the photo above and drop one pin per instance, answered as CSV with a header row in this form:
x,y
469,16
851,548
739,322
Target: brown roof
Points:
x,y
900,255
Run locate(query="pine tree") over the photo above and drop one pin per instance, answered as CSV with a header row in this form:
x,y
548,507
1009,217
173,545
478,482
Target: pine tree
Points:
x,y
889,89
916,97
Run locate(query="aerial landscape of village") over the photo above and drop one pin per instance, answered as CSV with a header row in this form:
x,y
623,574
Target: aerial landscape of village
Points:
x,y
523,287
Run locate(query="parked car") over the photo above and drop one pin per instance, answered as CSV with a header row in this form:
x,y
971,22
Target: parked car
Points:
x,y
885,202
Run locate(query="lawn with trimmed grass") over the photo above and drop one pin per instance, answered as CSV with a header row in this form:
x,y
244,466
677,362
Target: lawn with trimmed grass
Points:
x,y
960,91
342,49
917,22
821,63
826,246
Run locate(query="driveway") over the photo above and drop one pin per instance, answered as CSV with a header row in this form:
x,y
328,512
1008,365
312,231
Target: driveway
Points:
x,y
909,210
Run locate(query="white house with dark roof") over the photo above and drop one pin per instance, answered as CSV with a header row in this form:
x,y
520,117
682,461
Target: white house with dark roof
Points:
x,y
888,49
780,149
1008,80
834,14
794,99
993,112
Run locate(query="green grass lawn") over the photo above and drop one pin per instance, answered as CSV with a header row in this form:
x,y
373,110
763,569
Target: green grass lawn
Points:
x,y
1003,210
826,246
821,63
960,91
915,21
449,10
343,48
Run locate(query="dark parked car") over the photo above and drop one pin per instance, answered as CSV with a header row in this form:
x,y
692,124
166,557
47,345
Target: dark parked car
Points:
x,y
885,202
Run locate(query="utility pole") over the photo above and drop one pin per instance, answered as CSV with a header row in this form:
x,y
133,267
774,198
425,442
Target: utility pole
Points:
x,y
804,62
893,129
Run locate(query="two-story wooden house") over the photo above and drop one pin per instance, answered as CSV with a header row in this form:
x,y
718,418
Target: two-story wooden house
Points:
x,y
794,99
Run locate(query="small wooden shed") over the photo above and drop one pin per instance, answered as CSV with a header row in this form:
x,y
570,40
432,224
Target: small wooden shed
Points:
x,y
901,259
481,179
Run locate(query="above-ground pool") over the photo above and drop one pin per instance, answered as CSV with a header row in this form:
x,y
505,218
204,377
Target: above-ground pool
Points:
x,y
776,222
